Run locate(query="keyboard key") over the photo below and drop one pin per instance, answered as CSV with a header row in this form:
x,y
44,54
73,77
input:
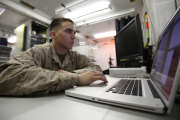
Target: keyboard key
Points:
x,y
127,87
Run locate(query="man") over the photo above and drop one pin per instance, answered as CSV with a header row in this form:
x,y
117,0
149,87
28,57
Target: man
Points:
x,y
50,67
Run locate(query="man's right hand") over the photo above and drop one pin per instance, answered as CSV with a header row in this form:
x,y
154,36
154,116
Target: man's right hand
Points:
x,y
89,77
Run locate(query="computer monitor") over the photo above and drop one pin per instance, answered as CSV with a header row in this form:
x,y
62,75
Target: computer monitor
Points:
x,y
129,43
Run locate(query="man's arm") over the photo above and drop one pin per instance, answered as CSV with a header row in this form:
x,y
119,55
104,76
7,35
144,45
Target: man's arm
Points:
x,y
84,64
88,72
23,76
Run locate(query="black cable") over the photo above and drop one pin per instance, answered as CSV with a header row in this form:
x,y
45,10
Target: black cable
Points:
x,y
175,2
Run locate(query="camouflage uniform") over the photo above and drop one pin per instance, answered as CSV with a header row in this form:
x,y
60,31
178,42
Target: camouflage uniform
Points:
x,y
36,71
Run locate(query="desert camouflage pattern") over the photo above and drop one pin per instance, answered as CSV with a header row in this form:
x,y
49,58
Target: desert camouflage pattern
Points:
x,y
39,71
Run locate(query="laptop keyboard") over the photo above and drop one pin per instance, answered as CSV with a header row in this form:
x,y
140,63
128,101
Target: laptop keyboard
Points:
x,y
127,87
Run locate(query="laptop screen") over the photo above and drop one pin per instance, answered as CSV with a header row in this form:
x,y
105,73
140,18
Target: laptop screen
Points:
x,y
167,57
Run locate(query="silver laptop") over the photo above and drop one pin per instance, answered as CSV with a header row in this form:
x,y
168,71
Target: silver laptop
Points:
x,y
155,94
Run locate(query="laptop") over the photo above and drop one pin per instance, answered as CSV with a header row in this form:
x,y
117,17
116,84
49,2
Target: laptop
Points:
x,y
154,94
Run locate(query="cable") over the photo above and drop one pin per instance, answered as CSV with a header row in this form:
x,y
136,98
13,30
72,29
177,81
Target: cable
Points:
x,y
175,3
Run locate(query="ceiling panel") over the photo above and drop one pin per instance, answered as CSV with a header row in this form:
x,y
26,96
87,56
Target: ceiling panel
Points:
x,y
49,6
125,4
11,18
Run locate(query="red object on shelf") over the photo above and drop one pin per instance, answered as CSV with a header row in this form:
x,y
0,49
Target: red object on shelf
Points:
x,y
147,25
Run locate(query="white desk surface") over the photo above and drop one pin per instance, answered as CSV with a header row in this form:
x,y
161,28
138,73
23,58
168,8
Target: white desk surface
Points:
x,y
61,107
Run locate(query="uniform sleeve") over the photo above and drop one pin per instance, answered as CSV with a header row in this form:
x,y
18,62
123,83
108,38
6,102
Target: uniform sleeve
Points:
x,y
23,75
84,64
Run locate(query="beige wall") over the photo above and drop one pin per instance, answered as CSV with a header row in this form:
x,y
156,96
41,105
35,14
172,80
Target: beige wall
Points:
x,y
104,50
178,3
160,12
99,52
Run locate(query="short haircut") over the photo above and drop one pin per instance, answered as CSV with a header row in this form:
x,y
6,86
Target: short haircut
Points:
x,y
58,21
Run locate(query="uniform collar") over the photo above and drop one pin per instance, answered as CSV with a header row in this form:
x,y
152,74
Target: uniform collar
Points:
x,y
55,56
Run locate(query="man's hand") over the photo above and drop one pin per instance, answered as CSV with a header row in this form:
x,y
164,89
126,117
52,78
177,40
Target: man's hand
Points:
x,y
89,77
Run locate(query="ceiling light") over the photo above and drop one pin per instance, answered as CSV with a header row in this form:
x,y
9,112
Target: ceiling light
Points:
x,y
2,11
79,36
86,10
106,17
12,39
60,9
82,43
105,34
92,15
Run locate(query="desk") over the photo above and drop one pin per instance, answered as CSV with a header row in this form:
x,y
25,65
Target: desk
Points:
x,y
61,107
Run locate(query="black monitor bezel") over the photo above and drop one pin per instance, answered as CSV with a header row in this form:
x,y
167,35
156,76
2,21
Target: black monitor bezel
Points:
x,y
136,20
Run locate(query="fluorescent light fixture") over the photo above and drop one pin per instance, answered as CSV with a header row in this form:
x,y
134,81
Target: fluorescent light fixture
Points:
x,y
106,17
79,36
93,15
1,10
87,10
82,43
60,9
12,39
105,34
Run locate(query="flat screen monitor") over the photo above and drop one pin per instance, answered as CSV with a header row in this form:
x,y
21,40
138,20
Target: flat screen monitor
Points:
x,y
129,42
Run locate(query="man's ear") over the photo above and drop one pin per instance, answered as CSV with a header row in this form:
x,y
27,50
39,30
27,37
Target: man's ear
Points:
x,y
52,34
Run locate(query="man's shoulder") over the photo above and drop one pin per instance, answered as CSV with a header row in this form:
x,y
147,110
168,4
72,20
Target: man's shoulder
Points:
x,y
38,51
42,46
42,49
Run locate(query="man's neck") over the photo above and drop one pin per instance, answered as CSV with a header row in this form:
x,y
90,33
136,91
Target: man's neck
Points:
x,y
59,50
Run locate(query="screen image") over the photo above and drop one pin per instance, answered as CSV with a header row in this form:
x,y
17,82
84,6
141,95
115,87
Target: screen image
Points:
x,y
170,70
161,53
129,41
167,57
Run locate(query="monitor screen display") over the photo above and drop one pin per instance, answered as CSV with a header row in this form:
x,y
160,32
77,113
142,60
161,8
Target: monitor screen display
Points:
x,y
129,43
167,57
